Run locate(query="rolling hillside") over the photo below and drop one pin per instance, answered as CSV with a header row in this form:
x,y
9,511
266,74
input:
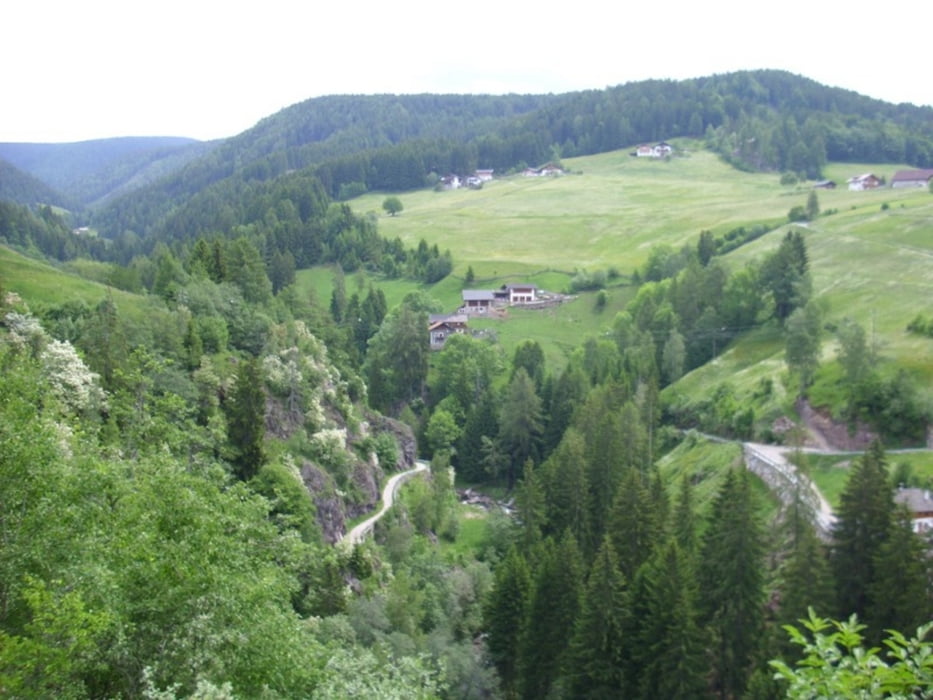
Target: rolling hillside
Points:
x,y
869,263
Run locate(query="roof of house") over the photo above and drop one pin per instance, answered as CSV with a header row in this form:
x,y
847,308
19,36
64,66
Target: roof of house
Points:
x,y
477,295
434,319
863,176
916,500
912,175
519,286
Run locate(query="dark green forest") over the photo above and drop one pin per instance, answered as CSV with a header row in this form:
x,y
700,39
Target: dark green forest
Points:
x,y
179,464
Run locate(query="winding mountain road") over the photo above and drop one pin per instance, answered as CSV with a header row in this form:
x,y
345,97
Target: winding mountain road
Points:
x,y
358,533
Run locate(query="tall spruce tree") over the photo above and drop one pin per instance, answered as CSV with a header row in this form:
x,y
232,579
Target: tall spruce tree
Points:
x,y
731,580
481,421
563,478
899,597
668,657
505,616
246,420
634,523
520,423
863,524
555,604
596,660
805,582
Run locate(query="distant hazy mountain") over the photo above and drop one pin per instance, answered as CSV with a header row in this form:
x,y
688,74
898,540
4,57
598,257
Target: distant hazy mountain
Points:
x,y
91,171
21,187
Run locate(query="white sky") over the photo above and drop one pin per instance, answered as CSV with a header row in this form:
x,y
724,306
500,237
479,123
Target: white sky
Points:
x,y
82,69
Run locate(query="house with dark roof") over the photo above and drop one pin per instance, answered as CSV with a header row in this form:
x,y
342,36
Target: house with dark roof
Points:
x,y
920,504
912,178
477,300
442,326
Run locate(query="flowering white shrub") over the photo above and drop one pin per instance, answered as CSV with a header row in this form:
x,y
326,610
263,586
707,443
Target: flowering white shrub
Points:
x,y
69,378
283,373
25,330
329,443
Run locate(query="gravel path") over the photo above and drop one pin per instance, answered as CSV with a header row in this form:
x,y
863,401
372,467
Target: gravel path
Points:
x,y
358,533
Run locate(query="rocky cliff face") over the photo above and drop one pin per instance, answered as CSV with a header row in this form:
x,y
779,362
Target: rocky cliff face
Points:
x,y
333,442
330,439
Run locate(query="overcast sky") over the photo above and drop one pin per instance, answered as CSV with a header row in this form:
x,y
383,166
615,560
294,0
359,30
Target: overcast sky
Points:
x,y
76,70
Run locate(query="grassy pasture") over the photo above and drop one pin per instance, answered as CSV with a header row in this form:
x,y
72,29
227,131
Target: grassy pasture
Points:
x,y
871,258
608,212
41,284
831,472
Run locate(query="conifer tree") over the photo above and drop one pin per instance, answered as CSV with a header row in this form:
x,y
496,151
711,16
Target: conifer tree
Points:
x,y
482,421
863,524
529,499
731,579
595,666
568,391
246,420
505,615
669,654
899,597
520,422
685,521
806,582
563,478
555,603
633,523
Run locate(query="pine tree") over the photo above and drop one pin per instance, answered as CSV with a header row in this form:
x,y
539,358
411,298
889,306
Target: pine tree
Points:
x,y
520,422
685,520
863,523
563,478
555,603
731,579
482,421
806,582
505,615
595,666
246,420
669,653
900,595
633,523
529,500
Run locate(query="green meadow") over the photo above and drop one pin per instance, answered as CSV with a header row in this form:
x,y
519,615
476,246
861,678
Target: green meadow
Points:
x,y
871,252
42,284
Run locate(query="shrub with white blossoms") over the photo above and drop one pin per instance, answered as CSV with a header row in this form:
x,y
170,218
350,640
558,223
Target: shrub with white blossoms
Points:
x,y
329,444
25,330
69,378
283,373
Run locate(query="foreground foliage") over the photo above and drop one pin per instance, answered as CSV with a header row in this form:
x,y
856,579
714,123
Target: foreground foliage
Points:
x,y
836,664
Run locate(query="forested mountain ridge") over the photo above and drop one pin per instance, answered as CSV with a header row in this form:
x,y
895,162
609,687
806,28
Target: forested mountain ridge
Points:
x,y
765,120
20,187
87,172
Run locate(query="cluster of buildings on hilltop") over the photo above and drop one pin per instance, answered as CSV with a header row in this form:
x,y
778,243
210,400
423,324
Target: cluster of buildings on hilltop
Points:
x,y
658,150
476,180
870,181
478,302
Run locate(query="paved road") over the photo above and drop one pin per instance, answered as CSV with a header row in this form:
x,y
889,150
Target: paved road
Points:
x,y
358,533
777,455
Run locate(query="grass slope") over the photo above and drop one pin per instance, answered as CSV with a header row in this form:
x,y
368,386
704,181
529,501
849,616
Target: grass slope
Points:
x,y
42,285
871,260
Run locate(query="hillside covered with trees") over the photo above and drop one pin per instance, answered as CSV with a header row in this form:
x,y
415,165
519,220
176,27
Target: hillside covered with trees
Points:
x,y
189,426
